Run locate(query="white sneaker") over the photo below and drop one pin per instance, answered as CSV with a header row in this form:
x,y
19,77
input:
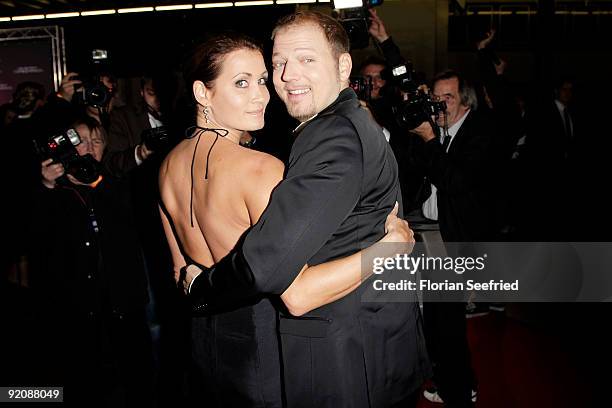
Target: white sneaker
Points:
x,y
431,395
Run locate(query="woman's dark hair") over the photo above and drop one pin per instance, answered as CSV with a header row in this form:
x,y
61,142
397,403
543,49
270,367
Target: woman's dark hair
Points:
x,y
205,61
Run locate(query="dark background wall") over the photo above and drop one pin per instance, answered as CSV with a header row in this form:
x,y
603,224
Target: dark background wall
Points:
x,y
145,41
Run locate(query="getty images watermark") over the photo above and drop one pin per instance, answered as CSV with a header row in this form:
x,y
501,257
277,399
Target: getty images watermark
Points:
x,y
493,271
427,264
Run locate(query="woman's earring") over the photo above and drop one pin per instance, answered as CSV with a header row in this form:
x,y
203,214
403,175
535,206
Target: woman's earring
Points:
x,y
206,112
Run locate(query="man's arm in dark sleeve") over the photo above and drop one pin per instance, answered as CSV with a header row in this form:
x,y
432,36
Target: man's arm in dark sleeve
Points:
x,y
391,53
119,158
322,186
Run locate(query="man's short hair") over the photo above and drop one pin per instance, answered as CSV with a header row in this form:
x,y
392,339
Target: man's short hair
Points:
x,y
372,60
336,35
466,90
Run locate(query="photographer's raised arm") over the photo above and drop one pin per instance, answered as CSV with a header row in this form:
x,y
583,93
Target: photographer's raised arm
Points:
x,y
390,50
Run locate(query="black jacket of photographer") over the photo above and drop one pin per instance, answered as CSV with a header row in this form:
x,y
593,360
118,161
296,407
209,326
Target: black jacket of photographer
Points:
x,y
415,188
465,177
85,251
127,125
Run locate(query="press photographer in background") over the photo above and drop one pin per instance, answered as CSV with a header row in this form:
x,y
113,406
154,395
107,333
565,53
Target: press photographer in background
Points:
x,y
89,275
382,90
138,140
460,153
94,95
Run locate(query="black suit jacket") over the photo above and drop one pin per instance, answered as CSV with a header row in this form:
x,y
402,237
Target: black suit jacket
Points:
x,y
126,126
340,184
85,269
464,177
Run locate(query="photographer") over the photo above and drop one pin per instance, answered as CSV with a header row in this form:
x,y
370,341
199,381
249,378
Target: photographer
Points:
x,y
138,142
384,96
127,149
75,99
460,165
89,274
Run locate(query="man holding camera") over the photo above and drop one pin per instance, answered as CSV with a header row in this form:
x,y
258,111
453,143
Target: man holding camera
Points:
x,y
137,143
384,99
460,167
126,148
90,276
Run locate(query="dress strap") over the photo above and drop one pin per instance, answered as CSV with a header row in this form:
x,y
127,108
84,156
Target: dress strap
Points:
x,y
198,133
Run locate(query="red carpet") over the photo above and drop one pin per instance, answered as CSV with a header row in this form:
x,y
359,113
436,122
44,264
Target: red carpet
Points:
x,y
523,366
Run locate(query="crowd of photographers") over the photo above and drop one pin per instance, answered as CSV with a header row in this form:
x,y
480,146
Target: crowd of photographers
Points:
x,y
85,233
87,243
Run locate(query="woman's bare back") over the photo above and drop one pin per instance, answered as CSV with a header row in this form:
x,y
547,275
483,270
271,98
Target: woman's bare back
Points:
x,y
224,204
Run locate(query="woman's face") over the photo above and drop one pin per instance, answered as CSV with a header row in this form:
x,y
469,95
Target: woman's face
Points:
x,y
239,95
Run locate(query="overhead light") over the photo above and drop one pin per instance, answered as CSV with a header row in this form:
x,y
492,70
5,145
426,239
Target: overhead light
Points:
x,y
294,1
97,12
253,3
135,10
62,15
213,5
5,19
30,17
347,4
174,7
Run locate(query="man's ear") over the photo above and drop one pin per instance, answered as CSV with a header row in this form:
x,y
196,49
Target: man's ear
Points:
x,y
345,65
201,93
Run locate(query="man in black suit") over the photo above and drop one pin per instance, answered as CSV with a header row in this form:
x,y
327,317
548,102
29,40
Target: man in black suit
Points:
x,y
460,166
341,181
554,161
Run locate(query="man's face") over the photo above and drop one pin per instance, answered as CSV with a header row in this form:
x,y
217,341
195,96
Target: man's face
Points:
x,y
306,74
372,72
27,101
91,142
150,97
447,90
566,92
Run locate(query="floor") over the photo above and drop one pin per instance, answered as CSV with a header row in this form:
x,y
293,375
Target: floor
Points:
x,y
529,364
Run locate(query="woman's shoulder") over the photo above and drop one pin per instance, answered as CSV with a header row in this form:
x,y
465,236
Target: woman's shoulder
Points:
x,y
259,162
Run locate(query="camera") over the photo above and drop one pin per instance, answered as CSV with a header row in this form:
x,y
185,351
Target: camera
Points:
x,y
93,92
419,107
402,77
412,106
362,87
155,139
62,149
353,15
